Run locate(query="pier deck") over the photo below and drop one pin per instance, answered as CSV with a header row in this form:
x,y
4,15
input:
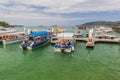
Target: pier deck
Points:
x,y
100,40
95,40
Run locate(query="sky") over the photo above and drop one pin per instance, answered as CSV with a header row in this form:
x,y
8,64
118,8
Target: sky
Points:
x,y
58,12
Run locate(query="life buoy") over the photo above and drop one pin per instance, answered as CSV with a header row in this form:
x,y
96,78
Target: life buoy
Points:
x,y
16,36
4,37
10,37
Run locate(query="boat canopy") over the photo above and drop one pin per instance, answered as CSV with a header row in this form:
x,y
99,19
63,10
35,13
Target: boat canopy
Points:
x,y
65,35
39,34
59,29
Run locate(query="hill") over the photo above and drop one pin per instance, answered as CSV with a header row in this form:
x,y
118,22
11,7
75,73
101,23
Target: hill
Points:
x,y
114,25
102,23
4,24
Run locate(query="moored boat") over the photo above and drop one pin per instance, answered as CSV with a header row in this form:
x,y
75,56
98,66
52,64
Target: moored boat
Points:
x,y
35,40
78,35
90,43
105,33
65,43
8,38
6,30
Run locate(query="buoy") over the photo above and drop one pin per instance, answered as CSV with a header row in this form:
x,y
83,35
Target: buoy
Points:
x,y
4,37
10,37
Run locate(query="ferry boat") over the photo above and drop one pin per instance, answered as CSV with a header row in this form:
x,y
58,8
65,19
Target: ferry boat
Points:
x,y
65,42
35,40
8,38
6,30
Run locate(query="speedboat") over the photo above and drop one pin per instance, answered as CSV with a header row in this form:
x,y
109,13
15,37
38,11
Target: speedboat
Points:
x,y
35,40
64,47
65,43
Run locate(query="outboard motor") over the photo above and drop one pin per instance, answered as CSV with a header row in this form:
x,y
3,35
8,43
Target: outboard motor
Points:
x,y
24,46
62,50
1,42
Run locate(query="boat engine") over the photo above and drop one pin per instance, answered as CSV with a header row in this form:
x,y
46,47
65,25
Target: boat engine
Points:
x,y
62,50
24,46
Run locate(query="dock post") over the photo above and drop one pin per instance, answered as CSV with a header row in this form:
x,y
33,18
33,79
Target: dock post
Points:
x,y
4,42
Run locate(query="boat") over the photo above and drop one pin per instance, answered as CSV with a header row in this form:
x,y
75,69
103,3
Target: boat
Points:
x,y
90,41
105,33
9,38
6,30
65,42
35,40
78,35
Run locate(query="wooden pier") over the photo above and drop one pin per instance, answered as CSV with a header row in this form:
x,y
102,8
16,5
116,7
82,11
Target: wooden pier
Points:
x,y
95,40
107,40
81,39
100,40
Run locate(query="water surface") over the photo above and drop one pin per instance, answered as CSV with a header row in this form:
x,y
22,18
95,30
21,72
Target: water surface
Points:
x,y
100,63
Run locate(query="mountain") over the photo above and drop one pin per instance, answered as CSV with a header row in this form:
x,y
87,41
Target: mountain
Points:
x,y
114,25
102,23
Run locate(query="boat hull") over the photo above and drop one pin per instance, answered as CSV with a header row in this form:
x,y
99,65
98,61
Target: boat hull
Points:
x,y
39,45
11,41
90,46
64,50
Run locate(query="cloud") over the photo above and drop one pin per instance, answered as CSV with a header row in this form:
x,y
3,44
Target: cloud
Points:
x,y
69,6
48,10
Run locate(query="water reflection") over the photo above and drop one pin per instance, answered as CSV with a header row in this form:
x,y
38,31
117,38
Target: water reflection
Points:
x,y
26,52
4,46
1,46
88,53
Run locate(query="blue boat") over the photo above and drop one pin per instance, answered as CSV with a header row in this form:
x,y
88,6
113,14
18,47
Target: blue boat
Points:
x,y
35,40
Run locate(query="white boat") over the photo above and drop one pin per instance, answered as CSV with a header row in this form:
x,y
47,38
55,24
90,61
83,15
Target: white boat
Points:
x,y
8,38
65,42
104,32
7,30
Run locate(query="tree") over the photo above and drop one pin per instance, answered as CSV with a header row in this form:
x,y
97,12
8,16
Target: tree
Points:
x,y
4,24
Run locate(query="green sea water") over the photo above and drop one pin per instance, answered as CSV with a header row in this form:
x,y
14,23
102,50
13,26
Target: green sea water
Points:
x,y
100,63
